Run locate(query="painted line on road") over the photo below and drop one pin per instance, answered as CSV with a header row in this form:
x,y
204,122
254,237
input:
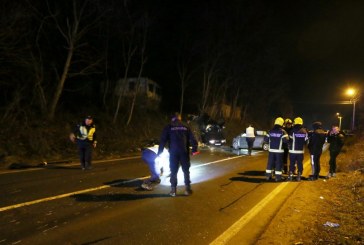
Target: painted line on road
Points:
x,y
36,168
239,225
93,189
68,194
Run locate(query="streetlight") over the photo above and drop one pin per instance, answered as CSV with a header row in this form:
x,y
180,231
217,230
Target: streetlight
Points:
x,y
354,97
340,117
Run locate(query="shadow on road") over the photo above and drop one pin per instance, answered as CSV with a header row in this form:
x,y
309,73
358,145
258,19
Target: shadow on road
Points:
x,y
124,183
250,176
115,197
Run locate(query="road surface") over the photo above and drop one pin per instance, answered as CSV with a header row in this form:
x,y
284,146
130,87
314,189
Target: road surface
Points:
x,y
61,204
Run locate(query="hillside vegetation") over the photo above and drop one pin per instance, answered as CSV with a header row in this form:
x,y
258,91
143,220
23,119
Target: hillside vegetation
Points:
x,y
34,141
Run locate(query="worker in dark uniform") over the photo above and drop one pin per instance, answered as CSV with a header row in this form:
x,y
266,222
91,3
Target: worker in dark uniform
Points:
x,y
287,126
275,137
180,138
84,135
336,139
298,138
316,140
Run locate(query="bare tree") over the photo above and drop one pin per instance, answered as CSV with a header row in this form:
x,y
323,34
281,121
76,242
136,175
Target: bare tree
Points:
x,y
73,31
185,75
143,60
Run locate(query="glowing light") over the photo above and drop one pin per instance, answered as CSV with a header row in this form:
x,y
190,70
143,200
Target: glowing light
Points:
x,y
350,92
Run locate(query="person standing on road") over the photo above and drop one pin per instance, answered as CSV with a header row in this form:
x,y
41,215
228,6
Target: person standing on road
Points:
x,y
156,165
84,135
287,126
180,138
250,138
275,137
298,138
336,139
316,141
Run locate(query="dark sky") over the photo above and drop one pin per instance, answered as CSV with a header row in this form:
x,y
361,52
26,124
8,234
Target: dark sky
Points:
x,y
321,45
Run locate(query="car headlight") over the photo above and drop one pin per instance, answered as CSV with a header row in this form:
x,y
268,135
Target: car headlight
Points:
x,y
223,141
212,141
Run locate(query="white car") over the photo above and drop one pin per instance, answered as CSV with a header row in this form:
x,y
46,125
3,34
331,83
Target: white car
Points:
x,y
239,142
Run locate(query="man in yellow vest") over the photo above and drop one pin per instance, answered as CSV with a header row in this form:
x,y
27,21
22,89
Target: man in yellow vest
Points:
x,y
84,135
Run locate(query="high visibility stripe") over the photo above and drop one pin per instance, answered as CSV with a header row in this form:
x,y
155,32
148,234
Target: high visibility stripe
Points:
x,y
297,151
276,150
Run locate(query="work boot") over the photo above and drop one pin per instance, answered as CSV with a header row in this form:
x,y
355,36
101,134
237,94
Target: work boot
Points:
x,y
278,178
268,177
298,178
147,186
188,190
290,176
173,192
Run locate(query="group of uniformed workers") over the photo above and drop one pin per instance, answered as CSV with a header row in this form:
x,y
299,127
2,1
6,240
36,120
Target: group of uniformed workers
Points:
x,y
288,140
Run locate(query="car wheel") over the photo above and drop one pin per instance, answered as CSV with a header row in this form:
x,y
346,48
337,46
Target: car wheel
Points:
x,y
235,145
265,146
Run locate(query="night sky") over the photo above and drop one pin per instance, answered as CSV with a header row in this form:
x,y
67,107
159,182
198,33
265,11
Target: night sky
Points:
x,y
320,44
268,57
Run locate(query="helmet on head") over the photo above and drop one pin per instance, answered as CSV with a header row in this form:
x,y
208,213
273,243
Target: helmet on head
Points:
x,y
279,121
298,120
288,121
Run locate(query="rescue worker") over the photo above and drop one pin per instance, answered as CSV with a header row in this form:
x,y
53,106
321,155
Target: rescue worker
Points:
x,y
157,165
336,139
316,140
250,138
180,138
287,126
298,138
84,135
275,137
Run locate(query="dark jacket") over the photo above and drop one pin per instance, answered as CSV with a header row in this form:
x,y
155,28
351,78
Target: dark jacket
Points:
x,y
316,140
276,138
298,138
336,141
179,137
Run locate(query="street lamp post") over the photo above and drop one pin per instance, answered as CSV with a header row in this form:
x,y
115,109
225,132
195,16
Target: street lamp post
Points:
x,y
340,117
353,99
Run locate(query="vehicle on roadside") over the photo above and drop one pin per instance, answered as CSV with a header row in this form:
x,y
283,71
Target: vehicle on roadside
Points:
x,y
239,142
213,135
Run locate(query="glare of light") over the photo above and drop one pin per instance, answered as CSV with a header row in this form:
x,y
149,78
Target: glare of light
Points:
x,y
350,92
198,174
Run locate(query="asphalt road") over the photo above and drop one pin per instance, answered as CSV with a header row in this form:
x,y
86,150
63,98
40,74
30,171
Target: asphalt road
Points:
x,y
61,204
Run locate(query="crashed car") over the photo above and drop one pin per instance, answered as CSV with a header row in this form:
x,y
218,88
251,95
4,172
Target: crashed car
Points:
x,y
239,142
213,135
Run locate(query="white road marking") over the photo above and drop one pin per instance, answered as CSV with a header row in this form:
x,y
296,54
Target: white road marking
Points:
x,y
93,189
238,225
68,164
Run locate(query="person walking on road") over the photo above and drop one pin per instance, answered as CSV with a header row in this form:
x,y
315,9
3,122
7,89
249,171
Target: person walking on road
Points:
x,y
275,137
316,141
84,135
298,138
180,138
336,139
250,138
